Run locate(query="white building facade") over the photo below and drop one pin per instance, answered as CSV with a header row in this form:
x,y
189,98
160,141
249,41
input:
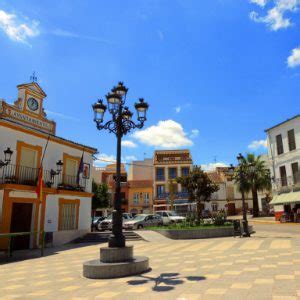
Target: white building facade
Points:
x,y
63,209
284,156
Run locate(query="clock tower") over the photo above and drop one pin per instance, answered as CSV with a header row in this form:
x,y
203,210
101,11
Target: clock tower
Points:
x,y
28,108
30,99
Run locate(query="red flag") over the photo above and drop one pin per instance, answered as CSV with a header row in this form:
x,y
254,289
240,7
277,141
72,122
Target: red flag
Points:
x,y
39,188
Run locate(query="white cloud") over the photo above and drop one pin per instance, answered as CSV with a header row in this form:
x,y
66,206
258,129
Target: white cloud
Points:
x,y
178,109
194,133
129,144
213,166
261,3
275,18
128,158
106,159
166,134
255,145
16,29
60,115
103,159
68,34
294,59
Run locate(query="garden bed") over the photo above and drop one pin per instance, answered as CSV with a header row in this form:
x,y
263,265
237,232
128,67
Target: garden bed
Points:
x,y
195,232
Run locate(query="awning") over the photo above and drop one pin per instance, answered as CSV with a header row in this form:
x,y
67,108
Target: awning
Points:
x,y
286,198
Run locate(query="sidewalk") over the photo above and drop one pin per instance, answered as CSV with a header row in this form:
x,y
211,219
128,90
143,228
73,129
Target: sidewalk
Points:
x,y
260,220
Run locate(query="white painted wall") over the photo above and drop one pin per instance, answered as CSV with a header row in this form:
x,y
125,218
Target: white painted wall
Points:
x,y
54,152
52,211
288,157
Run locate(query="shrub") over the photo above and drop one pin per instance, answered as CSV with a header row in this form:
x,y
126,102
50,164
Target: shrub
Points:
x,y
219,219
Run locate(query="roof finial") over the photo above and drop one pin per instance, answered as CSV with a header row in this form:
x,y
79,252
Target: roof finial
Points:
x,y
33,78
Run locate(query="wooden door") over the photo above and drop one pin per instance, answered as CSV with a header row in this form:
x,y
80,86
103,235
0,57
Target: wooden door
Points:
x,y
21,222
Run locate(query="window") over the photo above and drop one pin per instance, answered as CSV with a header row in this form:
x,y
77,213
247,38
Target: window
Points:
x,y
136,198
295,171
28,171
279,144
172,173
283,178
160,190
146,198
214,206
160,174
68,214
28,161
291,140
185,171
70,169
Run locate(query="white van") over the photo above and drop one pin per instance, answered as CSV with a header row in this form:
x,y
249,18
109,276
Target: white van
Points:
x,y
170,217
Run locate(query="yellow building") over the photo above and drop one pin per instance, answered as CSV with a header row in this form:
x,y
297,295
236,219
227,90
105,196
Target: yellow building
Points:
x,y
140,196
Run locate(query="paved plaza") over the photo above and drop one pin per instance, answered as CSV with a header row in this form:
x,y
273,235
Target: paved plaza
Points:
x,y
266,266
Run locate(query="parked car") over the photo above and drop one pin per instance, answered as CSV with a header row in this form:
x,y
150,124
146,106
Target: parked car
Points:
x,y
143,220
107,223
96,221
169,217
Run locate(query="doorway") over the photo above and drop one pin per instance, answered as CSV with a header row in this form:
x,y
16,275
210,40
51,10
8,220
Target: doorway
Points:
x,y
21,222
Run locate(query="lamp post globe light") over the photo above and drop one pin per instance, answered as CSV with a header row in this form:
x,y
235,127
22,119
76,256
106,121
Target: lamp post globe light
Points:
x,y
117,259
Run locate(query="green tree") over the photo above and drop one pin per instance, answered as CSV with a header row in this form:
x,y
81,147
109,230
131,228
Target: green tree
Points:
x,y
100,195
256,177
199,187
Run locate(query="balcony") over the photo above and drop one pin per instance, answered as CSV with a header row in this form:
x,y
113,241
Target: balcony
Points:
x,y
160,178
182,195
15,174
287,184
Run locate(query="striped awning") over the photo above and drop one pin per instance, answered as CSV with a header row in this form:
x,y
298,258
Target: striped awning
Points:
x,y
286,198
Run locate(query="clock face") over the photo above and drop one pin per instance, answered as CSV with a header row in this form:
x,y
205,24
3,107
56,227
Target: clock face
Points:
x,y
32,104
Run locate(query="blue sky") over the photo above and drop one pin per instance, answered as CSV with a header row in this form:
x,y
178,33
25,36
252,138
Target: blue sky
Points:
x,y
216,73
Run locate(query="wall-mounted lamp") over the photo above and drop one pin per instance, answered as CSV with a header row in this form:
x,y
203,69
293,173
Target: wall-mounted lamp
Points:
x,y
53,173
7,157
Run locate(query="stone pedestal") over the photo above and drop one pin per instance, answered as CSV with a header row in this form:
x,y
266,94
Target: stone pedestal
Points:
x,y
114,263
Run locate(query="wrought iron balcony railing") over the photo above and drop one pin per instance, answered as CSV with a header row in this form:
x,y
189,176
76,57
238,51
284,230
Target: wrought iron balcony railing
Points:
x,y
180,195
15,174
287,183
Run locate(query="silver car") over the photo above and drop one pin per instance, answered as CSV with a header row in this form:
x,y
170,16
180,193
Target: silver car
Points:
x,y
107,223
142,221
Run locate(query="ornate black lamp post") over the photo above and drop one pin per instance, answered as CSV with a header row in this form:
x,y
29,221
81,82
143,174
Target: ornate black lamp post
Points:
x,y
242,175
120,124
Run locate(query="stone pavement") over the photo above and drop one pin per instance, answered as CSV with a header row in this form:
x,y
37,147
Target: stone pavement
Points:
x,y
260,267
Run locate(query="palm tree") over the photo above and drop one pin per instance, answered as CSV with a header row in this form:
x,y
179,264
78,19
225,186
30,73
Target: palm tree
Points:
x,y
256,177
199,187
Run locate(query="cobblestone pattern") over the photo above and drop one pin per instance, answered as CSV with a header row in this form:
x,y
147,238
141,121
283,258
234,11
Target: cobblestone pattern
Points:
x,y
225,268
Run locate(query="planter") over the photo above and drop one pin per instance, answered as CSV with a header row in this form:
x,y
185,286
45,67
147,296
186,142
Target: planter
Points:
x,y
199,233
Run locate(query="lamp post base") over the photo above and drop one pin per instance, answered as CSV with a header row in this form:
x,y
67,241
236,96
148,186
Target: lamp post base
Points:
x,y
116,241
246,232
115,263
